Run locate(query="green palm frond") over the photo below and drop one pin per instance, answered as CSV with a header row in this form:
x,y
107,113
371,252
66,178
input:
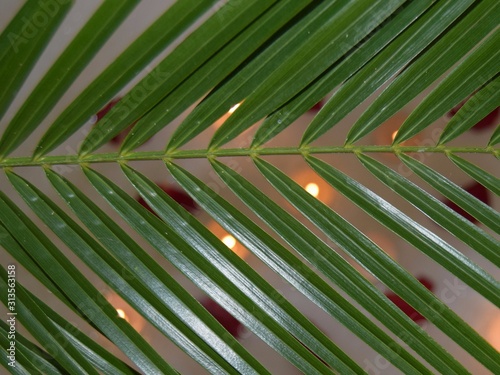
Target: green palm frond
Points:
x,y
215,100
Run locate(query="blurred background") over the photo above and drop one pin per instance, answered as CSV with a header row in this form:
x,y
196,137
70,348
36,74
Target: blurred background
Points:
x,y
474,309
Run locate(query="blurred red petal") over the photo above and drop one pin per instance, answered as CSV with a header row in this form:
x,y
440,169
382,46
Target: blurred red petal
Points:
x,y
229,322
475,189
106,109
455,109
317,106
487,122
490,120
118,139
177,195
405,307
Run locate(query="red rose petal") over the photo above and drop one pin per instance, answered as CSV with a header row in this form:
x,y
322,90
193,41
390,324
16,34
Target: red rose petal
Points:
x,y
426,282
177,195
229,322
475,189
455,109
317,106
118,139
487,122
106,109
405,307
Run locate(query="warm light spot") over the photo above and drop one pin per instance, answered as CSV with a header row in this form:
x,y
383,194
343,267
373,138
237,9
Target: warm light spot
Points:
x,y
234,108
122,314
318,188
125,311
312,189
229,241
241,251
394,133
384,241
493,334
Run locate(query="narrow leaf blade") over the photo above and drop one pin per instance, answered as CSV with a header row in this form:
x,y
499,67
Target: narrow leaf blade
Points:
x,y
446,51
64,71
443,317
293,270
22,42
248,77
482,212
149,44
183,312
339,72
484,178
382,67
345,30
290,317
190,55
79,289
457,225
479,67
495,137
474,110
211,73
26,354
45,332
218,283
96,354
336,268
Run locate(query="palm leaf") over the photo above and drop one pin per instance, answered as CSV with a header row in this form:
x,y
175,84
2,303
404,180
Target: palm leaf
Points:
x,y
80,224
436,60
22,42
64,71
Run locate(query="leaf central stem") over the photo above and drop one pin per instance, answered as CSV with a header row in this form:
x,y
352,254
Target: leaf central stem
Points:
x,y
231,152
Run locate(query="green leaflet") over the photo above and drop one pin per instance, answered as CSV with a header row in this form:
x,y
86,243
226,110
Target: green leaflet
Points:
x,y
293,270
96,354
495,137
150,43
199,235
247,78
380,264
484,178
99,355
482,212
337,269
134,292
474,110
479,67
457,225
23,365
340,71
15,249
382,67
211,73
23,238
45,332
276,59
72,282
218,283
26,354
333,40
182,311
411,231
64,71
445,52
22,42
18,370
190,55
